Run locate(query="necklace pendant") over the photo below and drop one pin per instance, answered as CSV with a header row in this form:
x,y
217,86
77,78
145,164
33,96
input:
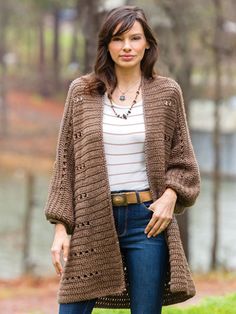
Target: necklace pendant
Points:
x,y
123,98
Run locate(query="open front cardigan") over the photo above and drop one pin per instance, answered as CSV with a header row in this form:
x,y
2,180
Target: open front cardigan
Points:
x,y
79,195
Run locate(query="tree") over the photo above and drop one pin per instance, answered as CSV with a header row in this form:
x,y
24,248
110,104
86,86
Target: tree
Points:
x,y
90,11
43,9
217,55
5,13
56,47
26,262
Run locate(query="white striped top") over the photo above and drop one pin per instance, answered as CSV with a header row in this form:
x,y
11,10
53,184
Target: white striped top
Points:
x,y
124,147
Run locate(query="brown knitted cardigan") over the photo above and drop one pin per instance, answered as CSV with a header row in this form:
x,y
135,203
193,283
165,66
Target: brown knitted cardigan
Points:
x,y
79,193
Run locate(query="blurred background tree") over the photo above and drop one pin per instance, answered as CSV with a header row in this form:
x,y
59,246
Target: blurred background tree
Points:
x,y
45,44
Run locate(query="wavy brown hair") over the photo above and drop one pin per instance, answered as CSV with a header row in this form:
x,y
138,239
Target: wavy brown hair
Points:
x,y
104,78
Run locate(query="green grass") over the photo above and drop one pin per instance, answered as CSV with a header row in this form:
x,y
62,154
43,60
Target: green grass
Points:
x,y
210,305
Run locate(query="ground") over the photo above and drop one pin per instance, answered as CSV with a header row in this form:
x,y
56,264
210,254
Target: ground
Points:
x,y
28,295
31,135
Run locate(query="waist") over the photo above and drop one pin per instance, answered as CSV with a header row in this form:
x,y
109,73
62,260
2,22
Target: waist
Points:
x,y
122,198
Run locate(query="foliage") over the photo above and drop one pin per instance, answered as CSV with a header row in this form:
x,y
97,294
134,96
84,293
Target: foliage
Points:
x,y
184,38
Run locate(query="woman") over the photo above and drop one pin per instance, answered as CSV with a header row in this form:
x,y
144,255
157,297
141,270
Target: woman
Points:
x,y
124,167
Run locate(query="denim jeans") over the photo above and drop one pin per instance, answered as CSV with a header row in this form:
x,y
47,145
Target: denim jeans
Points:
x,y
146,260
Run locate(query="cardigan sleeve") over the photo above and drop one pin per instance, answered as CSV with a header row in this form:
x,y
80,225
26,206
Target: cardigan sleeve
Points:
x,y
59,206
182,173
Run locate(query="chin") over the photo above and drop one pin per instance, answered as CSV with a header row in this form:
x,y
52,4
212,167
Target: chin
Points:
x,y
127,65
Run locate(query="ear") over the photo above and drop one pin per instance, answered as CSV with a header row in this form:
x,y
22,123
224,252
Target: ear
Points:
x,y
147,47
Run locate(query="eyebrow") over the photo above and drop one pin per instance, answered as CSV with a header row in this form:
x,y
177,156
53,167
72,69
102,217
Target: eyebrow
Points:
x,y
134,34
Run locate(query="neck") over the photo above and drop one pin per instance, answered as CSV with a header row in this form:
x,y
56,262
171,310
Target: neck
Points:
x,y
127,77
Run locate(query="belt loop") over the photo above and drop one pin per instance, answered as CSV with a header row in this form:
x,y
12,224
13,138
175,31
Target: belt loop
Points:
x,y
138,196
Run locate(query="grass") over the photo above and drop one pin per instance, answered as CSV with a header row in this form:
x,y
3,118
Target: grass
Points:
x,y
210,305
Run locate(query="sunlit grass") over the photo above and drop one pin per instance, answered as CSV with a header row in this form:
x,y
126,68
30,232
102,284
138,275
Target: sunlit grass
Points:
x,y
210,305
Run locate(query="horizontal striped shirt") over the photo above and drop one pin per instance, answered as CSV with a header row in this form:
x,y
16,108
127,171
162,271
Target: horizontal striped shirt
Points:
x,y
124,147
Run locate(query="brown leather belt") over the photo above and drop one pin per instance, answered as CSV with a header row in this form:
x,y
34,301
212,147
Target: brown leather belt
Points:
x,y
133,197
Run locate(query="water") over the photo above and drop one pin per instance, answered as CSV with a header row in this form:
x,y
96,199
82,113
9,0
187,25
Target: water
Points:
x,y
12,205
201,227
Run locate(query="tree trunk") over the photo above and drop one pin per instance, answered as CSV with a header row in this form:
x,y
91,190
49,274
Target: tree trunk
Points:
x,y
3,101
3,71
87,12
27,264
43,88
56,57
216,134
74,44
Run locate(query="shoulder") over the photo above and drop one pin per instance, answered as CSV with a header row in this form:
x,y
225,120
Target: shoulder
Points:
x,y
80,83
163,86
164,89
166,83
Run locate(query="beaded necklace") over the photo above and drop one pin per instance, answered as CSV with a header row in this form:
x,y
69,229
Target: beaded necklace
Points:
x,y
122,96
125,115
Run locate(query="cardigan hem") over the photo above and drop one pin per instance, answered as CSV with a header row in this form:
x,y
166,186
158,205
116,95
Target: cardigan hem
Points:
x,y
96,295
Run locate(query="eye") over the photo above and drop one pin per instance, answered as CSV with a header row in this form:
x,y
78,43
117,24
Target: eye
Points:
x,y
116,38
136,37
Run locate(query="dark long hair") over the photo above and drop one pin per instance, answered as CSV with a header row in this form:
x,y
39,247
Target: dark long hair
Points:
x,y
104,73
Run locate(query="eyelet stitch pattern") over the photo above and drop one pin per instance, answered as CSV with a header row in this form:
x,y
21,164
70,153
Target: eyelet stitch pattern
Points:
x,y
83,224
83,277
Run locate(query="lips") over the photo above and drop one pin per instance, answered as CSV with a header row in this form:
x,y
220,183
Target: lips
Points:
x,y
127,57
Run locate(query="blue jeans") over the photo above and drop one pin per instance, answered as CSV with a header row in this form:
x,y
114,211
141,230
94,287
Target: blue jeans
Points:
x,y
146,260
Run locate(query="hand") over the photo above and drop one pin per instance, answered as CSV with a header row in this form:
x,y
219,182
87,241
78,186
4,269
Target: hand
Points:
x,y
60,243
163,209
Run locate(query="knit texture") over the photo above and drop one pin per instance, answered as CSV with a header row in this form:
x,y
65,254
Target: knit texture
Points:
x,y
79,195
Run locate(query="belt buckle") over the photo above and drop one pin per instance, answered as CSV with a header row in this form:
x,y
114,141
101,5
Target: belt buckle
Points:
x,y
119,199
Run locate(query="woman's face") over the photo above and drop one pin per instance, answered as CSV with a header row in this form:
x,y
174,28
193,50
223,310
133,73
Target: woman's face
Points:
x,y
127,50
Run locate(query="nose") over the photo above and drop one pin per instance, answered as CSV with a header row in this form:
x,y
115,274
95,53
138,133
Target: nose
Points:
x,y
127,46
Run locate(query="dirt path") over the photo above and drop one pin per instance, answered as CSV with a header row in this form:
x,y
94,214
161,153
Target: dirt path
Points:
x,y
29,296
38,295
33,125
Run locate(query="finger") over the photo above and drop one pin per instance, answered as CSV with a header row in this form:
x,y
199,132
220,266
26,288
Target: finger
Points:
x,y
162,228
154,229
56,260
65,252
159,226
151,224
58,268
